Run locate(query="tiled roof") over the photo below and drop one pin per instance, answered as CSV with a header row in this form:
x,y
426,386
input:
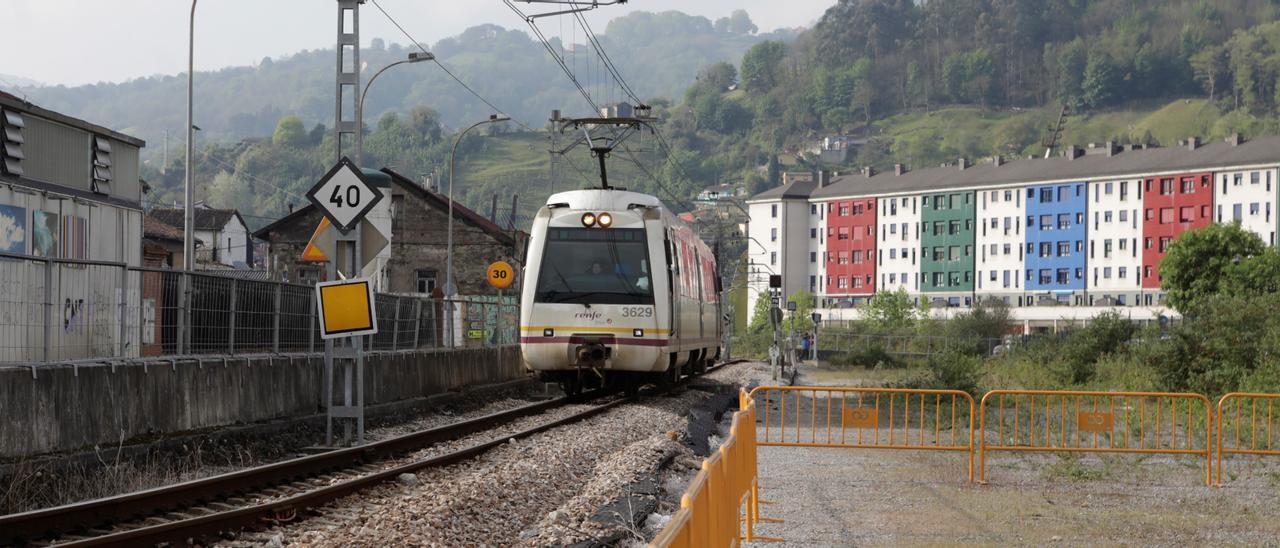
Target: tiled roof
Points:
x,y
1093,165
791,191
159,230
205,218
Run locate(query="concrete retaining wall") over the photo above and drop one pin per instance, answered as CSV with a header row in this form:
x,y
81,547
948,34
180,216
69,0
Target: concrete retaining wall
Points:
x,y
67,407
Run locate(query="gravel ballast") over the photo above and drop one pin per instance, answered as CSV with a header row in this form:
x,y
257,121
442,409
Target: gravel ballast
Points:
x,y
538,491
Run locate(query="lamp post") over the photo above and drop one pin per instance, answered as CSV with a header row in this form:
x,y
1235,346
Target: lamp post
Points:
x,y
188,215
451,288
414,57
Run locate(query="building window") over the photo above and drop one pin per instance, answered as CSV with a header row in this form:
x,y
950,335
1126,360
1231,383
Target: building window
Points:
x,y
1166,187
773,234
813,233
425,281
1123,271
773,257
813,256
773,211
1164,243
1188,186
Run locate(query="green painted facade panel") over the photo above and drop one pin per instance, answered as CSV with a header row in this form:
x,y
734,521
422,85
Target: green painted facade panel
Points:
x,y
947,242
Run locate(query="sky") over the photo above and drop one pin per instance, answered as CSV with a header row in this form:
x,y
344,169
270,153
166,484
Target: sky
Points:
x,y
76,42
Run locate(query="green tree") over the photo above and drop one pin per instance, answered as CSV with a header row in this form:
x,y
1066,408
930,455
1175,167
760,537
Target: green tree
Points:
x,y
800,320
1200,263
1099,87
890,311
760,66
1209,67
980,326
290,132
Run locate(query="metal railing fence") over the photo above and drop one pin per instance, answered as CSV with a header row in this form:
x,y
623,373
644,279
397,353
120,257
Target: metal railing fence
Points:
x,y
61,310
919,345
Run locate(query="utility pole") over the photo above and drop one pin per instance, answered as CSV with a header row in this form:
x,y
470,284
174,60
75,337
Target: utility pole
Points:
x,y
188,215
349,355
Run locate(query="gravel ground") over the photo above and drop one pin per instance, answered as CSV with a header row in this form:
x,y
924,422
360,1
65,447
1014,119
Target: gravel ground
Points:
x,y
835,497
845,496
537,491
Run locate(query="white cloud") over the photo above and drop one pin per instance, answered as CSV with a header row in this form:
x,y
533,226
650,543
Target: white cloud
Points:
x,y
77,41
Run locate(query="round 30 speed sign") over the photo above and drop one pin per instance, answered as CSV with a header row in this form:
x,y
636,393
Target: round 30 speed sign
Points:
x,y
501,275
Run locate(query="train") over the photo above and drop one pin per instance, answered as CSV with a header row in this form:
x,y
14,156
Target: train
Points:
x,y
617,292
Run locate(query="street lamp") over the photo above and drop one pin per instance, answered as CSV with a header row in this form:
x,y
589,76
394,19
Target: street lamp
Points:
x,y
188,214
414,57
451,288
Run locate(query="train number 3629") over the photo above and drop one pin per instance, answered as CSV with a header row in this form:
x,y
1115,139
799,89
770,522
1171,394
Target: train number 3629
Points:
x,y
637,312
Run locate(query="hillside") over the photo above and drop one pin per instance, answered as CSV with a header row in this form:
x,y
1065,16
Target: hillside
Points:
x,y
660,52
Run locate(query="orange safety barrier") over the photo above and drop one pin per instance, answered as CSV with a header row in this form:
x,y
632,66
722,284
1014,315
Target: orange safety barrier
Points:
x,y
711,505
868,418
1096,422
1246,422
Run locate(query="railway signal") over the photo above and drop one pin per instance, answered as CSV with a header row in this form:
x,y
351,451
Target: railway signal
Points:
x,y
344,195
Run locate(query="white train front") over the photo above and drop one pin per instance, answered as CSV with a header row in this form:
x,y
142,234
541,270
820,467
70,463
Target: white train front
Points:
x,y
617,291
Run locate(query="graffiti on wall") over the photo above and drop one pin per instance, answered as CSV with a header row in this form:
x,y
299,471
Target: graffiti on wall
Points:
x,y
72,315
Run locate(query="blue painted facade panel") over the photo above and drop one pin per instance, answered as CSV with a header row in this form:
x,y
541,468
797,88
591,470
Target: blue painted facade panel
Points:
x,y
1057,238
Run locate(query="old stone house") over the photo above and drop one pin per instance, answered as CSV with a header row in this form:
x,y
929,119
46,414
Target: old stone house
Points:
x,y
418,241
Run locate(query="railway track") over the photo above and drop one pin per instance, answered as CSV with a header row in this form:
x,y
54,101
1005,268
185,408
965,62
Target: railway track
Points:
x,y
213,506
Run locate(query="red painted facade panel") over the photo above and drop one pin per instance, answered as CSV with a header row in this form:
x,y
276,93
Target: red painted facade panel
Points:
x,y
850,251
1172,204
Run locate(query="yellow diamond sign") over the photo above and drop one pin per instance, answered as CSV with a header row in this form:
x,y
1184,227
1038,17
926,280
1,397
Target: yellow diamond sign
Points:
x,y
346,308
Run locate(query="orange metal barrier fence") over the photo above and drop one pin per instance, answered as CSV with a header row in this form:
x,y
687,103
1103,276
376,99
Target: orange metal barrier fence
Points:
x,y
1096,422
711,506
869,418
1244,436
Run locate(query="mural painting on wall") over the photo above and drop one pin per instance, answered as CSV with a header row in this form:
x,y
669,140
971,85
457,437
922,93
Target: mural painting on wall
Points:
x,y
45,232
75,238
13,229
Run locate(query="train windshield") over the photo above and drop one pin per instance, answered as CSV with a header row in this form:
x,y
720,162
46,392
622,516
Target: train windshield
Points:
x,y
595,266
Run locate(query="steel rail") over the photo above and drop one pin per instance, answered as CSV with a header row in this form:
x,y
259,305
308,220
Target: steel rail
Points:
x,y
86,515
91,517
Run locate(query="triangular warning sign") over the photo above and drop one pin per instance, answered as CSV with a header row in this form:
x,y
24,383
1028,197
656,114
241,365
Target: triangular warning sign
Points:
x,y
312,253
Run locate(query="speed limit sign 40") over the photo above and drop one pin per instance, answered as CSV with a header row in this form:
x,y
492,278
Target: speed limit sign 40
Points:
x,y
344,195
501,275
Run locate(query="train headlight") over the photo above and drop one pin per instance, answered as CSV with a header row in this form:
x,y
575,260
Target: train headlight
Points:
x,y
637,332
548,332
588,219
605,220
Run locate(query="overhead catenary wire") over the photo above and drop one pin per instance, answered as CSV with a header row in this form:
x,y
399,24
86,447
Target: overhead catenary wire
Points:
x,y
558,56
446,70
